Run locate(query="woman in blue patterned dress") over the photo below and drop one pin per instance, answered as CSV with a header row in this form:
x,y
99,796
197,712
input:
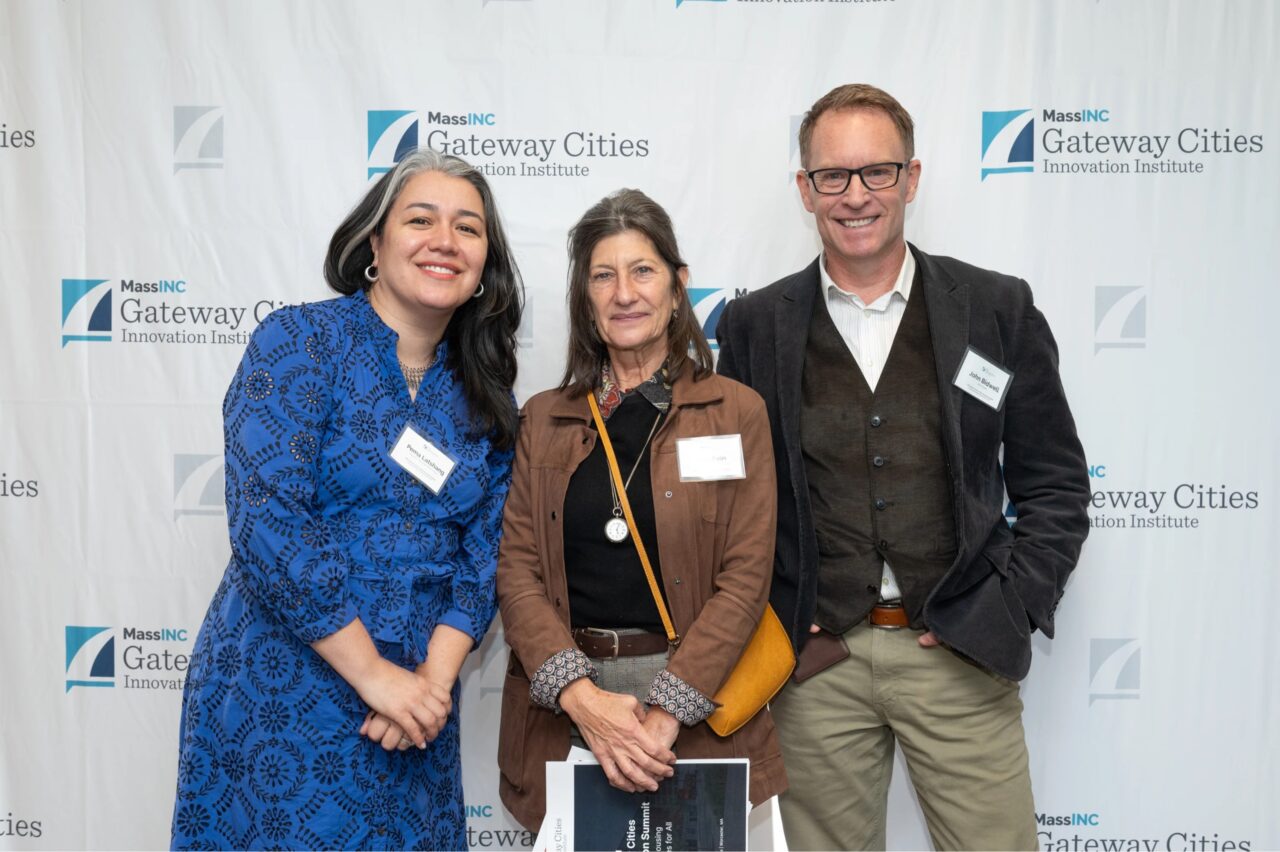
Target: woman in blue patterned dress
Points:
x,y
321,704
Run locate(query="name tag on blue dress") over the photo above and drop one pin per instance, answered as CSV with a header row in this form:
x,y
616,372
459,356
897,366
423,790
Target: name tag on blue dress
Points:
x,y
424,461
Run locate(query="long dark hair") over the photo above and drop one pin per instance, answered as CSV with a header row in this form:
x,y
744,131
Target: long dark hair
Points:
x,y
627,210
482,333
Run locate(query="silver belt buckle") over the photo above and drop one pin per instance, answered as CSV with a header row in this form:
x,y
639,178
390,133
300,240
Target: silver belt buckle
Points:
x,y
604,633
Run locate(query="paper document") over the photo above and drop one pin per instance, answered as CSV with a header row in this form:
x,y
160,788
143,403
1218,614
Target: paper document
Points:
x,y
703,806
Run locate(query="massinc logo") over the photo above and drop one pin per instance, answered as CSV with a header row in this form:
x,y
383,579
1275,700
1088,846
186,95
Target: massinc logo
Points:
x,y
198,485
147,657
86,310
1115,669
1119,318
708,305
393,133
1008,141
91,656
197,137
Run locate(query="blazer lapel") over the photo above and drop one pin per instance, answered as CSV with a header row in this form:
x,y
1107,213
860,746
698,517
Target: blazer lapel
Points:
x,y
947,303
791,334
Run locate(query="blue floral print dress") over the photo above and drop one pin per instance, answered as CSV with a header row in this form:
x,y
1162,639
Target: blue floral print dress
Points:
x,y
325,528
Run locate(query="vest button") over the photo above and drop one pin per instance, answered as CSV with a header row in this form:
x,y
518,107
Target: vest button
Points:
x,y
878,461
876,420
881,504
884,545
871,588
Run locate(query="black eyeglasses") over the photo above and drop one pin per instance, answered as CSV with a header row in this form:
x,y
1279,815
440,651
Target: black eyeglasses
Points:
x,y
873,177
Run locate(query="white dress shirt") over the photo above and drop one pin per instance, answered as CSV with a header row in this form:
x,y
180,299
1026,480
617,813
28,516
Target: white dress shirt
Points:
x,y
868,331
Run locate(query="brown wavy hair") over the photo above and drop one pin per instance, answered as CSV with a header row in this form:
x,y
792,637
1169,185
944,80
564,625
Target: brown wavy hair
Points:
x,y
627,210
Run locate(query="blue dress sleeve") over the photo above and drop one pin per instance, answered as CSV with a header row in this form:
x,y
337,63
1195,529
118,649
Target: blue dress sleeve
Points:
x,y
474,580
275,420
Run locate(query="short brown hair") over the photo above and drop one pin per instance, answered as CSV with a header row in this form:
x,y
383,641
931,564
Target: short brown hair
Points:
x,y
627,210
854,96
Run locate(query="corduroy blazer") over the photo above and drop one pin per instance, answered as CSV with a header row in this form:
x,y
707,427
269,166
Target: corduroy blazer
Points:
x,y
1005,581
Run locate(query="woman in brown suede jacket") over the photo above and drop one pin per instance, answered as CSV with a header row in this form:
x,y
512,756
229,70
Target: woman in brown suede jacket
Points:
x,y
590,662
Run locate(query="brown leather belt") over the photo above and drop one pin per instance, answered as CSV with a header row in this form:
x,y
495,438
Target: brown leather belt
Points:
x,y
891,616
610,644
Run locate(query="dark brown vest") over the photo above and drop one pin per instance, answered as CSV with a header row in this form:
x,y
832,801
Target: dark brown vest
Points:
x,y
877,470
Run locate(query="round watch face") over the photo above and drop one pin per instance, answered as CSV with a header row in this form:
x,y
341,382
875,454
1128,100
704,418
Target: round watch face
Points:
x,y
616,530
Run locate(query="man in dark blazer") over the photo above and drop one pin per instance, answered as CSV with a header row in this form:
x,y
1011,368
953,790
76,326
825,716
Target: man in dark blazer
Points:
x,y
894,380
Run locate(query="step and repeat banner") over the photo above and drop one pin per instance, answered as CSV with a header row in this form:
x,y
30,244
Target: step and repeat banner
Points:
x,y
170,173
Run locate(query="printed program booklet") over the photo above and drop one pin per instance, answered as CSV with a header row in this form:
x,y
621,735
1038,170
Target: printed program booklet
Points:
x,y
703,806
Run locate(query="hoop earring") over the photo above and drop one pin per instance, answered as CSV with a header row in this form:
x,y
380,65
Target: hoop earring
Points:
x,y
479,291
371,274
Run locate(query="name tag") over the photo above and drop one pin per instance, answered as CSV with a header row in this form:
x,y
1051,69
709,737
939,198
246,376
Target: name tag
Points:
x,y
983,379
426,462
710,458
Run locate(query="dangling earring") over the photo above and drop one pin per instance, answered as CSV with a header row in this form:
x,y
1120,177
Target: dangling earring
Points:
x,y
371,274
479,291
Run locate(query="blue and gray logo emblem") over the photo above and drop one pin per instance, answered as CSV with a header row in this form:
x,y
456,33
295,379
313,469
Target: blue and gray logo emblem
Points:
x,y
393,133
1008,142
91,656
1115,669
1119,318
708,305
86,310
197,137
198,487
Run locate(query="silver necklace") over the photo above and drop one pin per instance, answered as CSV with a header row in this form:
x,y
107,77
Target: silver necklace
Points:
x,y
413,375
615,529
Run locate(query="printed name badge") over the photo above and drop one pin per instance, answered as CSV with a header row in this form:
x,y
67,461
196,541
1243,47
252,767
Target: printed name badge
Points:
x,y
710,458
983,379
426,462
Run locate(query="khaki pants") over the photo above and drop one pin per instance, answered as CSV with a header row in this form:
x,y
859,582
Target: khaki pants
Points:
x,y
960,729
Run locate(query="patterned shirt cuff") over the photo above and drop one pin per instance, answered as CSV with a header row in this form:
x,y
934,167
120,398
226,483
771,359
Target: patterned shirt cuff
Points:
x,y
560,670
678,698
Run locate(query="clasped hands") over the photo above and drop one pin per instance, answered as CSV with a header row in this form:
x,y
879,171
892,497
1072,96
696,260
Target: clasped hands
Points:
x,y
632,743
407,708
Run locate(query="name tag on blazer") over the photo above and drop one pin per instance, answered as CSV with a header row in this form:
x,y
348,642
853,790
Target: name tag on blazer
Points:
x,y
983,379
710,458
426,462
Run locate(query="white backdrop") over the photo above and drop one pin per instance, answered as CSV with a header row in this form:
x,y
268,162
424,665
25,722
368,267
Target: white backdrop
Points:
x,y
163,155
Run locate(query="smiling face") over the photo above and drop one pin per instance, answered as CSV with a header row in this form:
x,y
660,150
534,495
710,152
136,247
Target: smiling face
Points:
x,y
632,295
861,230
432,247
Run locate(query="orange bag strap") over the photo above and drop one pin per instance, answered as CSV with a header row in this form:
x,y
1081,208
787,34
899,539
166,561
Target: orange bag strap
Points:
x,y
672,637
